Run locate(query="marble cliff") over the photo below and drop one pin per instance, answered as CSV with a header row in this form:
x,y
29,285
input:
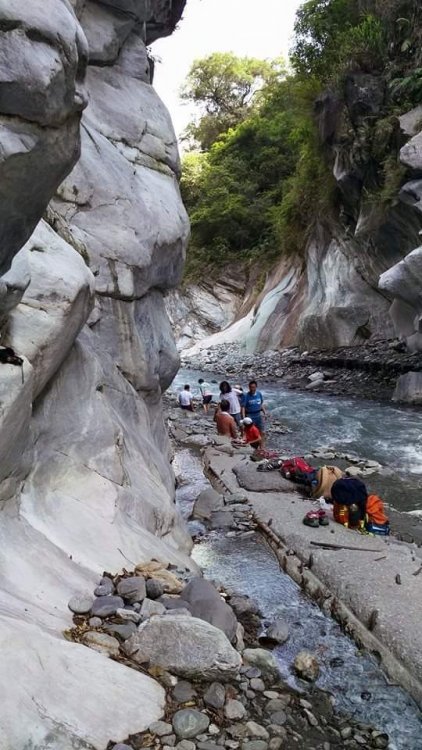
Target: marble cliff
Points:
x,y
93,233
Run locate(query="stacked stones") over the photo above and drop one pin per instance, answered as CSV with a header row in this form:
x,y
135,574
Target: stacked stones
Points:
x,y
113,613
230,512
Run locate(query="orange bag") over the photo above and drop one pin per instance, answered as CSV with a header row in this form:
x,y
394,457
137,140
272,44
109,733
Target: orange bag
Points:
x,y
347,515
375,511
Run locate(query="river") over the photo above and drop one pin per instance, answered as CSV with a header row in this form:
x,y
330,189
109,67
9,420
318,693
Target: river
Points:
x,y
382,432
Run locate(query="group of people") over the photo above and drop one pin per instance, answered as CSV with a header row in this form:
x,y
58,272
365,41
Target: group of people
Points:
x,y
238,414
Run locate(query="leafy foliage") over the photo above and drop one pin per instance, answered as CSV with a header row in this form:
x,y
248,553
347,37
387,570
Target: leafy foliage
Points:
x,y
262,180
224,88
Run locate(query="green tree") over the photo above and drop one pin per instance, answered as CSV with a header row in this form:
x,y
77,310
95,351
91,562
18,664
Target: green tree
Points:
x,y
224,87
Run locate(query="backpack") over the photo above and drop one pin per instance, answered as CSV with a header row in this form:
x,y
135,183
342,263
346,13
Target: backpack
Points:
x,y
326,476
376,521
299,471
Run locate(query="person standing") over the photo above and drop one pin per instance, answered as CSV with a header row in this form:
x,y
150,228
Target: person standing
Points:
x,y
226,424
253,407
206,393
185,399
228,394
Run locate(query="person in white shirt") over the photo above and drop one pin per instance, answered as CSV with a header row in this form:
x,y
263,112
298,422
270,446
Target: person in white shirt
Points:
x,y
228,394
206,394
185,399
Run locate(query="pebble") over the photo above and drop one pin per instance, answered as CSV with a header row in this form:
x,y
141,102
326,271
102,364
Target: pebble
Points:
x,y
234,710
122,747
276,730
271,694
160,728
129,615
170,740
105,644
232,744
207,745
346,732
188,722
275,743
80,604
280,718
255,745
150,608
253,673
95,622
154,588
277,704
257,684
213,729
183,692
186,745
250,694
215,696
306,666
313,721
105,606
124,631
256,731
133,589
105,587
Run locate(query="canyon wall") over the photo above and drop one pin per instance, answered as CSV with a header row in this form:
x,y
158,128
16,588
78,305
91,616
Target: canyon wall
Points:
x,y
93,233
352,283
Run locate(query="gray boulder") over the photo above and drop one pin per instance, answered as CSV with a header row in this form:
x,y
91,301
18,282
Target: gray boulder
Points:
x,y
105,644
81,604
264,660
205,603
105,606
207,502
215,695
189,723
133,589
154,588
278,632
203,651
409,388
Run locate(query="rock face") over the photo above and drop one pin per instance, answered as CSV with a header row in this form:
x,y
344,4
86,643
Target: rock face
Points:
x,y
85,481
356,267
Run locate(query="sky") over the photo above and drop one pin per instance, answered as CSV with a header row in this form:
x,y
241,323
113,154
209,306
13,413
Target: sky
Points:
x,y
258,28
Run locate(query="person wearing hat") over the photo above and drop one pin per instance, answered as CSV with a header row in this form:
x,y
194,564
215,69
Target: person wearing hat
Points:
x,y
251,433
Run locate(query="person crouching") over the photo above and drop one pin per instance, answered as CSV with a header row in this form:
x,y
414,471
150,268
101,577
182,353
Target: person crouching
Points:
x,y
251,433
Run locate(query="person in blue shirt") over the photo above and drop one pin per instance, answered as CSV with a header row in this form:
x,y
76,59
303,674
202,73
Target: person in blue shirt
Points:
x,y
253,407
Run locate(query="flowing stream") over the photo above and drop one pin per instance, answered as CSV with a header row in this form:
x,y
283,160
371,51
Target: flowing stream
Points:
x,y
357,683
388,434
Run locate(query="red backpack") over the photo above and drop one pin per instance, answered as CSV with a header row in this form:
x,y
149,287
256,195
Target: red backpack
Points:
x,y
298,470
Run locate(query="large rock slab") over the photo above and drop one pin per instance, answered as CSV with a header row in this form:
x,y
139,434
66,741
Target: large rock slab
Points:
x,y
409,388
55,305
185,646
260,481
50,670
206,603
43,56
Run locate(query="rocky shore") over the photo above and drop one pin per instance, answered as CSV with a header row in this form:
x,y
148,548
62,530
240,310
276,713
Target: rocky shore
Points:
x,y
368,371
222,689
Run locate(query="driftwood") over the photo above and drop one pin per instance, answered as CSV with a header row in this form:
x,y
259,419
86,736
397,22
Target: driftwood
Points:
x,y
327,545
